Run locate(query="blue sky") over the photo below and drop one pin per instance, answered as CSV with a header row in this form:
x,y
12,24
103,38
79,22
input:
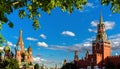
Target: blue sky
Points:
x,y
62,33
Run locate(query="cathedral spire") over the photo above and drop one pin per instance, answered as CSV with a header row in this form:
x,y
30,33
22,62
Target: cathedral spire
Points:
x,y
20,42
21,33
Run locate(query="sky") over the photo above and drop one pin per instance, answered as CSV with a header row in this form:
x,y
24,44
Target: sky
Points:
x,y
63,33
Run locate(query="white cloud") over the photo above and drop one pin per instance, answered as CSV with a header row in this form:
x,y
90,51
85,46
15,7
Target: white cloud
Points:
x,y
43,44
109,25
38,60
110,15
116,54
11,44
25,49
115,40
68,33
43,36
80,47
87,44
94,23
114,36
90,5
31,39
92,30
16,37
90,39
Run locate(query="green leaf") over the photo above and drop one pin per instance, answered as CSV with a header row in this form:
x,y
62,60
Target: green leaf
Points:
x,y
22,13
11,25
30,8
39,15
36,24
0,26
2,40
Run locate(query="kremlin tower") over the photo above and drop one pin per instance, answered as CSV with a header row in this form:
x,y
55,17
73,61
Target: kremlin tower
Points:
x,y
101,52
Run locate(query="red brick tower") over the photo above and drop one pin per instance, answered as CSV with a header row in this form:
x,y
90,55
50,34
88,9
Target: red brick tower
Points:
x,y
101,47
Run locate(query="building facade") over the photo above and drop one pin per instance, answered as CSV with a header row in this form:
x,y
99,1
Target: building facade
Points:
x,y
24,57
101,52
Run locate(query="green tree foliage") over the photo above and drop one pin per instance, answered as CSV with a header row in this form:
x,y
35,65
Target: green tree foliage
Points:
x,y
36,66
69,66
30,9
2,40
9,64
115,5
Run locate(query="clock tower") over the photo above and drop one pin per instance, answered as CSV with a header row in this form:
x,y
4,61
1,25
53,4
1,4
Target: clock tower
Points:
x,y
101,47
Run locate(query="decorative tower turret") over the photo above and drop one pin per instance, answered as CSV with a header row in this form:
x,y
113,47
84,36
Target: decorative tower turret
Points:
x,y
64,63
30,57
7,51
76,58
87,53
56,67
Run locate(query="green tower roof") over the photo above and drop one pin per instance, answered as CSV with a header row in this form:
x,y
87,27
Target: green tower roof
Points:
x,y
7,48
26,53
29,48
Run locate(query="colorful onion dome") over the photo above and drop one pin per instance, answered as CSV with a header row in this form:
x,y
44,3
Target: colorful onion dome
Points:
x,y
29,48
7,48
26,53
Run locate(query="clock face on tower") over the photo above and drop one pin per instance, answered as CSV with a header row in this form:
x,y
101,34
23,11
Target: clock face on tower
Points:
x,y
101,30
